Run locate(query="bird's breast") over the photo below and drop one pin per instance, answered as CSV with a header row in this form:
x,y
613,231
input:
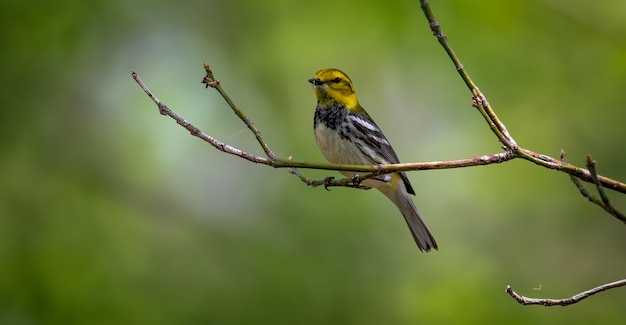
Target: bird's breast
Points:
x,y
337,147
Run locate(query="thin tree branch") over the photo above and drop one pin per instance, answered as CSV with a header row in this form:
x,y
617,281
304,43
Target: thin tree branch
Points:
x,y
479,99
288,163
547,302
221,146
576,173
604,202
591,166
497,126
331,181
384,168
210,81
512,150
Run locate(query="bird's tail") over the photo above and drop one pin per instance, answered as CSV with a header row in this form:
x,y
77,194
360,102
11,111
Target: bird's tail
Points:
x,y
423,238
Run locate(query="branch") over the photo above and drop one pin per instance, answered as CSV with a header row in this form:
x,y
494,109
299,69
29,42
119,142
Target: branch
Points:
x,y
289,163
604,202
576,173
210,81
497,126
547,302
221,146
273,161
511,151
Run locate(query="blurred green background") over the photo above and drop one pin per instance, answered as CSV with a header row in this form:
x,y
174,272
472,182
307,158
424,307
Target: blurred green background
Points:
x,y
113,214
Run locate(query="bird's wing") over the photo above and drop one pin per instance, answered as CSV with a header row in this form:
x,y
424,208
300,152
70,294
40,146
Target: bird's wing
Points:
x,y
375,145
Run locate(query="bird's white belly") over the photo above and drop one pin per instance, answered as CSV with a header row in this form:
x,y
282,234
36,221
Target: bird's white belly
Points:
x,y
338,150
342,151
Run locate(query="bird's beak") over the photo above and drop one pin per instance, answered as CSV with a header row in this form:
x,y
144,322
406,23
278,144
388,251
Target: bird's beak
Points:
x,y
316,82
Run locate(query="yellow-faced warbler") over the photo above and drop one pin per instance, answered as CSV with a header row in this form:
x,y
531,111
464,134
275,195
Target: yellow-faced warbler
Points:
x,y
346,134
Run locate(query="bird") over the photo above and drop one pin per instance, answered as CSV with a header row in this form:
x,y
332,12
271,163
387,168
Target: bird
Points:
x,y
346,134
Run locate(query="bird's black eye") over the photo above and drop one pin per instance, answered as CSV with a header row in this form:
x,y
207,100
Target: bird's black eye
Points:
x,y
336,80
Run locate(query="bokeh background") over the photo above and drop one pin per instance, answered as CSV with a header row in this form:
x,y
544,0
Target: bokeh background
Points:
x,y
113,214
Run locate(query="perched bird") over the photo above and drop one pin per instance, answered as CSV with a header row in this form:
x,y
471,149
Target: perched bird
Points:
x,y
346,134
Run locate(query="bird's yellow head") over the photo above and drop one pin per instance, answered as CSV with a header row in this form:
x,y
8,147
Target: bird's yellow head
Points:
x,y
334,85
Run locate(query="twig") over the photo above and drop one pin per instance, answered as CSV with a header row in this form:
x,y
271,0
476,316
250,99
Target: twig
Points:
x,y
479,99
221,146
329,181
576,173
497,126
210,81
566,301
604,202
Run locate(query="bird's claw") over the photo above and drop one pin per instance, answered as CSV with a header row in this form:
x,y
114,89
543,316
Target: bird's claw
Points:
x,y
356,180
328,182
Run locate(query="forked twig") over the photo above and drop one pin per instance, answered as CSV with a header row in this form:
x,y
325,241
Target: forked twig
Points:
x,y
221,146
210,81
603,201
